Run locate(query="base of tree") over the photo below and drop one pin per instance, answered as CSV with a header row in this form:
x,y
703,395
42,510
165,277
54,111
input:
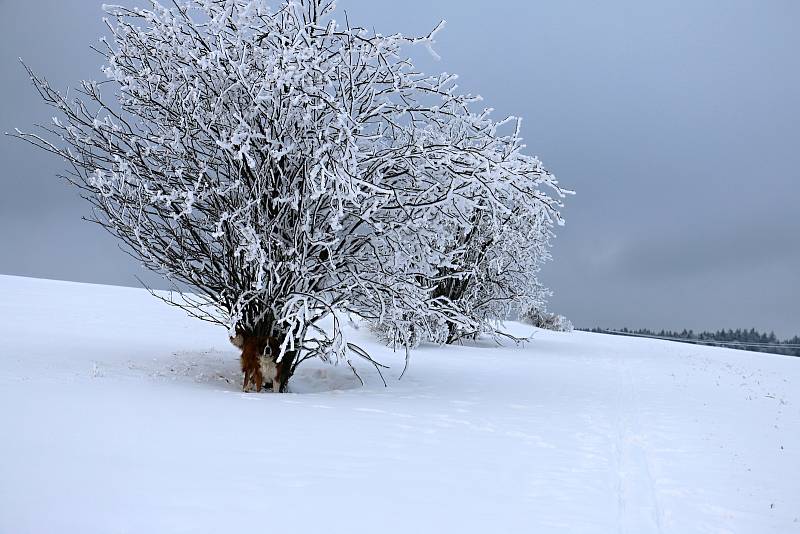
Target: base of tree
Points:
x,y
259,363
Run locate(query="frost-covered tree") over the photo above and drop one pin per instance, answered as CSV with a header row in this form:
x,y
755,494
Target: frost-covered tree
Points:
x,y
497,274
493,256
276,165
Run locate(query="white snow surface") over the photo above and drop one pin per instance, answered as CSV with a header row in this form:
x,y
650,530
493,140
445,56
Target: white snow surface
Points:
x,y
119,414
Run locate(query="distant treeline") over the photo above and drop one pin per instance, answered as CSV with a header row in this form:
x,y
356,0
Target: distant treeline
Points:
x,y
740,338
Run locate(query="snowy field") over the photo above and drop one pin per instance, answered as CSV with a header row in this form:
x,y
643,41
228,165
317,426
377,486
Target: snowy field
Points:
x,y
120,415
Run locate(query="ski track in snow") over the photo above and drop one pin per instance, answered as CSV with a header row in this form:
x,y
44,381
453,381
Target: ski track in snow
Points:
x,y
119,414
638,506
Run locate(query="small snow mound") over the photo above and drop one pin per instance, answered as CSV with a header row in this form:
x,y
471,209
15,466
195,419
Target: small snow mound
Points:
x,y
317,377
218,369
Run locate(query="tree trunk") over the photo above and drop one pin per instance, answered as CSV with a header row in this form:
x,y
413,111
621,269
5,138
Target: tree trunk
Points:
x,y
259,362
452,333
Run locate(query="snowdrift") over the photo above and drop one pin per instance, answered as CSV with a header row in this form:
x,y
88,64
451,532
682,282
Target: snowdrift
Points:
x,y
119,414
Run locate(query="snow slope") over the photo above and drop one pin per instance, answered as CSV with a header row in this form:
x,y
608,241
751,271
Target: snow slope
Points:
x,y
118,414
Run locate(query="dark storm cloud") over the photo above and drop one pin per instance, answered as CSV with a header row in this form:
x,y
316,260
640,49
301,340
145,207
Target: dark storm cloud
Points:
x,y
676,122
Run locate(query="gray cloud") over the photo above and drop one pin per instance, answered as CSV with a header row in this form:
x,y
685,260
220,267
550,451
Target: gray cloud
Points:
x,y
678,124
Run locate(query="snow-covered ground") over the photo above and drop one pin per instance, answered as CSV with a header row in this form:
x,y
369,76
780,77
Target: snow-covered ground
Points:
x,y
118,414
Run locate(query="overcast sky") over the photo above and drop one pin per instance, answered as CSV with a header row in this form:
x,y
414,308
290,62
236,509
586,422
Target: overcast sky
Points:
x,y
677,122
